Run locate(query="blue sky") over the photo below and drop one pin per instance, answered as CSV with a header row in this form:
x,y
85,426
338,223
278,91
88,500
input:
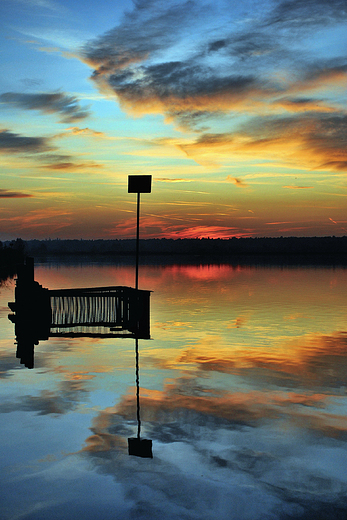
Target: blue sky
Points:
x,y
237,110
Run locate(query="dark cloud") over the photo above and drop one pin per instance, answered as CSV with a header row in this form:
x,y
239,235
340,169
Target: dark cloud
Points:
x,y
246,66
217,45
178,85
253,44
143,31
67,107
15,143
311,12
122,60
40,150
312,126
7,194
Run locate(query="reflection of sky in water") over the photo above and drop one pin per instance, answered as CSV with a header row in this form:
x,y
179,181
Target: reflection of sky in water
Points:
x,y
243,392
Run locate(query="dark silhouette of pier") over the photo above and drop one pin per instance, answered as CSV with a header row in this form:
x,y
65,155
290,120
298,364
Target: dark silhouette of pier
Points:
x,y
40,313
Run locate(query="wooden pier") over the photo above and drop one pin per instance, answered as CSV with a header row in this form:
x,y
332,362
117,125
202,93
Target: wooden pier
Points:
x,y
40,313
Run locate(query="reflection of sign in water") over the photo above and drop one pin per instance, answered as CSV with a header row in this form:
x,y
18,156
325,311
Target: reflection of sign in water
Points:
x,y
136,445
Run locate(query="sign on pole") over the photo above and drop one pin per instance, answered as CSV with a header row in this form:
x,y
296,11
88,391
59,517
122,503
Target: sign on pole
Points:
x,y
138,184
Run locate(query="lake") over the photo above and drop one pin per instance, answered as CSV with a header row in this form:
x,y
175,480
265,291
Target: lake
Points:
x,y
242,392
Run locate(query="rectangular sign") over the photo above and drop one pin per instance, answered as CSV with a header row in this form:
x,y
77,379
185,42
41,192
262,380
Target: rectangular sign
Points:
x,y
139,183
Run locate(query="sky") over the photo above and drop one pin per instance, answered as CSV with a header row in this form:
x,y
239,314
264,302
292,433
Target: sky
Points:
x,y
237,110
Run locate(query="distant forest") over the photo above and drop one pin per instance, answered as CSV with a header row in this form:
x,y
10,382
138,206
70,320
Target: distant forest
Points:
x,y
312,248
11,254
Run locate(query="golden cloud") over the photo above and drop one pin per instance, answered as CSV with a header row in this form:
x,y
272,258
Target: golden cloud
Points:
x,y
312,361
310,142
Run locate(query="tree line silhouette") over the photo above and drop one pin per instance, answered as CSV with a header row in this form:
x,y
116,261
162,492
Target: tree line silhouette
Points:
x,y
291,248
11,254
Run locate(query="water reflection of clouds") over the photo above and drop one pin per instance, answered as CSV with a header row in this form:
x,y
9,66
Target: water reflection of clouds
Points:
x,y
67,397
219,456
248,408
311,361
247,415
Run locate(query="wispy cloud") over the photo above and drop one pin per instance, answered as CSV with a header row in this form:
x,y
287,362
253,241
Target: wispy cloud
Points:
x,y
11,142
66,107
7,194
238,182
46,4
43,221
72,166
166,179
71,393
75,130
41,150
298,187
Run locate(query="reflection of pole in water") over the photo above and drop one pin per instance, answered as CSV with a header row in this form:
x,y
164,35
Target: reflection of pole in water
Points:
x,y
136,445
137,389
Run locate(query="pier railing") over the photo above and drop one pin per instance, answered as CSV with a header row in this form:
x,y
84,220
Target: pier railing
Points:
x,y
118,307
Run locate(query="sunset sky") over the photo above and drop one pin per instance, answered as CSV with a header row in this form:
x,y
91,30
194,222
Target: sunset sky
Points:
x,y
237,109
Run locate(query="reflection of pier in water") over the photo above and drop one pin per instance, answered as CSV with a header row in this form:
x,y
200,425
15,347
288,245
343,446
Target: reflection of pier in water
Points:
x,y
96,312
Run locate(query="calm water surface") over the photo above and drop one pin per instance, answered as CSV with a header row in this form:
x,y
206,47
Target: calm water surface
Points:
x,y
243,392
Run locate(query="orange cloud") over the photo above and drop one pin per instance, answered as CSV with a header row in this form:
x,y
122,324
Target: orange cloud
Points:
x,y
313,361
305,141
43,221
303,105
205,232
179,224
182,398
71,166
298,187
322,78
85,131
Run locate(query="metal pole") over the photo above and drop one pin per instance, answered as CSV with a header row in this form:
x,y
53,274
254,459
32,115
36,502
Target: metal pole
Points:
x,y
137,242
